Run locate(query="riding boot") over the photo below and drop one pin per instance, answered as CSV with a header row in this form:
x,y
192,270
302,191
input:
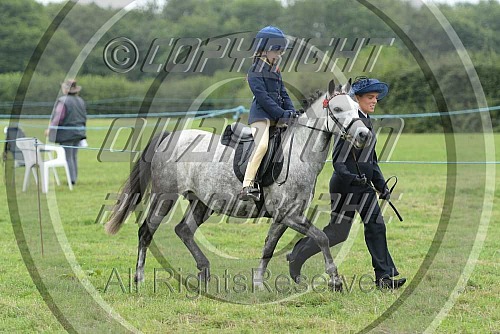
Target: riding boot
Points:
x,y
249,193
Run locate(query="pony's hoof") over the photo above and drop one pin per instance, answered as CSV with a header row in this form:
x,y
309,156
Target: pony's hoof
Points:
x,y
335,284
258,285
139,278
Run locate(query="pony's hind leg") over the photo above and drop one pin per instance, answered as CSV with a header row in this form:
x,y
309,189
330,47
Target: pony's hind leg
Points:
x,y
196,215
159,207
275,232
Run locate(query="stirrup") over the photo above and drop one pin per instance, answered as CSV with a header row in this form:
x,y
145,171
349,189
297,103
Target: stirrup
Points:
x,y
250,193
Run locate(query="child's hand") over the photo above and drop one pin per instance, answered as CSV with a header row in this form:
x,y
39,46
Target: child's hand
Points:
x,y
297,113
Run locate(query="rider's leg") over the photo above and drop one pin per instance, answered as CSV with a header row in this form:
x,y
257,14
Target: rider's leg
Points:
x,y
260,132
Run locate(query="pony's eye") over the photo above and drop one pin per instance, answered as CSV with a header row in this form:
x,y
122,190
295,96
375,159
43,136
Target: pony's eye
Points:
x,y
337,109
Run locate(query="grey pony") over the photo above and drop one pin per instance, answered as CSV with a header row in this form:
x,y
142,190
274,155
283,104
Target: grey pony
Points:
x,y
173,165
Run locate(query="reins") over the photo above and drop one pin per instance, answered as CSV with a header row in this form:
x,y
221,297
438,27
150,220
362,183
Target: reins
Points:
x,y
280,183
335,119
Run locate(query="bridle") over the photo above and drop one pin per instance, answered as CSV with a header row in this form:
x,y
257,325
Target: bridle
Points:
x,y
344,130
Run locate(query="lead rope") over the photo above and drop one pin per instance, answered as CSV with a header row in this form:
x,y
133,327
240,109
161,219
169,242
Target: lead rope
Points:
x,y
385,186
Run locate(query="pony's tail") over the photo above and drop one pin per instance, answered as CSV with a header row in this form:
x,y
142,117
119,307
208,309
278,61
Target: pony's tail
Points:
x,y
134,187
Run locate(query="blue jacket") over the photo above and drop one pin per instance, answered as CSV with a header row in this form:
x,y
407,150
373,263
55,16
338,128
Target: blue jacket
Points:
x,y
271,101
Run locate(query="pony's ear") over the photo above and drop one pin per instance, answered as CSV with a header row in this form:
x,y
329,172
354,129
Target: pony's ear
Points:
x,y
331,88
347,86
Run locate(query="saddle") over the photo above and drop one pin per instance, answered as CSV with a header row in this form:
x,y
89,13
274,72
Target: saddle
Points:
x,y
239,137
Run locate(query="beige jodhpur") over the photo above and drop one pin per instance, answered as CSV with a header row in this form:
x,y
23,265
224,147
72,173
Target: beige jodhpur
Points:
x,y
260,132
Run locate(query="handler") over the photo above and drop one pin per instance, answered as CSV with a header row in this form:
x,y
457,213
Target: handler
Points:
x,y
350,192
271,102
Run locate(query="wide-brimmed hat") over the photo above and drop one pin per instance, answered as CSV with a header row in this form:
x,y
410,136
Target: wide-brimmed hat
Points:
x,y
366,85
70,86
270,39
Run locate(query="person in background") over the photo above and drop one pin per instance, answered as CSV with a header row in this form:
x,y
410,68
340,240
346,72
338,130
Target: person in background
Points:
x,y
67,124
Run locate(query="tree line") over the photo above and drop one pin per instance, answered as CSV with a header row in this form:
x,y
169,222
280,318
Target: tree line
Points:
x,y
24,22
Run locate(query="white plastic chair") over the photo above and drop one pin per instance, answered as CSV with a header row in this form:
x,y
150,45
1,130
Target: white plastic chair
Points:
x,y
11,133
35,154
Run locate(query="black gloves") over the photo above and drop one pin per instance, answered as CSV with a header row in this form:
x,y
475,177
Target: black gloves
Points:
x,y
359,180
362,180
297,113
385,195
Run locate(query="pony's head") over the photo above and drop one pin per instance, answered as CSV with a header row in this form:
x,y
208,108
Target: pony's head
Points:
x,y
338,113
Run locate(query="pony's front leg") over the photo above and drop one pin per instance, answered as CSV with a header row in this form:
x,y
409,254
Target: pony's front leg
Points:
x,y
275,232
196,215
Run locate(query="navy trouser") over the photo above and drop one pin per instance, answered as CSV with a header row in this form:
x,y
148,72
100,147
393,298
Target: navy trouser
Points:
x,y
344,206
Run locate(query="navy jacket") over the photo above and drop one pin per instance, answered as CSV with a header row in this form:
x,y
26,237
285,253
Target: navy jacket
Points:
x,y
345,165
271,101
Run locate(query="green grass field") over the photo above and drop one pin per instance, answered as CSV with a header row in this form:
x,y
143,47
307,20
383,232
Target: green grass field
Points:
x,y
81,270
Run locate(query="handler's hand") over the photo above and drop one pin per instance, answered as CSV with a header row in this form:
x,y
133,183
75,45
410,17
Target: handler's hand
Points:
x,y
359,180
385,195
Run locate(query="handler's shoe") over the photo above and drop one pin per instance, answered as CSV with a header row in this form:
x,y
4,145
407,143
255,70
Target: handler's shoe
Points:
x,y
249,193
294,266
389,283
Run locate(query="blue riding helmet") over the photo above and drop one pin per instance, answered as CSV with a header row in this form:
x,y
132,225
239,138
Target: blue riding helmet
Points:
x,y
270,39
366,85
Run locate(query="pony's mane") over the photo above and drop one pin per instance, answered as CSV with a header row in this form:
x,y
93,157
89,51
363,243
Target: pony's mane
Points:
x,y
313,97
